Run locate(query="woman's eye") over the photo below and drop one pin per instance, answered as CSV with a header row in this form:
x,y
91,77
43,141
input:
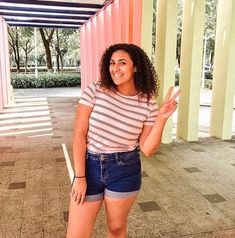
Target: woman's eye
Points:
x,y
111,63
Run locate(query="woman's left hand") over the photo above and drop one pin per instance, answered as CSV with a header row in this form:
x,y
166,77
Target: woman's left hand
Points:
x,y
169,105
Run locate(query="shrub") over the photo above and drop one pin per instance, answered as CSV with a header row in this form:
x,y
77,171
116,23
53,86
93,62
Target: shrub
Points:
x,y
48,80
177,78
208,75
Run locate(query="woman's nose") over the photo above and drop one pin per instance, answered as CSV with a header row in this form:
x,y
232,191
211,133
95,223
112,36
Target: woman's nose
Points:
x,y
115,67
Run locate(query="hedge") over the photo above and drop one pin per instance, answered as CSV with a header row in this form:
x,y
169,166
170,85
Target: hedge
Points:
x,y
48,80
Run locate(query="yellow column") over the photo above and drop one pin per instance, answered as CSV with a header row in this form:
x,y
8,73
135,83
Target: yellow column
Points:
x,y
224,71
190,69
147,25
166,53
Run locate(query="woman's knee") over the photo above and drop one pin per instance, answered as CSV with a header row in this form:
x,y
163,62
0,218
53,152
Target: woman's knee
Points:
x,y
117,229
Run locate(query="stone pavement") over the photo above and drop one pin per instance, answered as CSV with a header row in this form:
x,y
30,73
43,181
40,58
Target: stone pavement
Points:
x,y
188,189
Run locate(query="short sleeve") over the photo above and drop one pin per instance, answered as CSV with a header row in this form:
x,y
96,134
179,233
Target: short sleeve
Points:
x,y
88,95
153,111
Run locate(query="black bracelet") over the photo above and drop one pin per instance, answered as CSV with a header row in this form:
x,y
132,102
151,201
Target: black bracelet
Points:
x,y
79,176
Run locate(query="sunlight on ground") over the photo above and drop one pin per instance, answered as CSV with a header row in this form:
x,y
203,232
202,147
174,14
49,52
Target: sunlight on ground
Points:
x,y
29,115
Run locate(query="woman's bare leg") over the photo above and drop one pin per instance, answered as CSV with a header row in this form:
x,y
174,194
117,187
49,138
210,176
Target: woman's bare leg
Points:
x,y
82,218
117,210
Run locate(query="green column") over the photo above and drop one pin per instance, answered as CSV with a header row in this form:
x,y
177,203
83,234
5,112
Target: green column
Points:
x,y
166,25
190,69
147,25
224,72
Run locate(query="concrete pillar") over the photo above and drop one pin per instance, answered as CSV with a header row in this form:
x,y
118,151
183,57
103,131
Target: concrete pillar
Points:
x,y
190,68
10,92
147,27
166,53
6,92
224,72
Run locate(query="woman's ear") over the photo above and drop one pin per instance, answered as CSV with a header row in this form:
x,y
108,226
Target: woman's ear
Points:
x,y
135,69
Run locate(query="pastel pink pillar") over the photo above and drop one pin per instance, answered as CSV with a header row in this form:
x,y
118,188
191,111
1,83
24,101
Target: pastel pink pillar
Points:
x,y
136,21
118,22
4,65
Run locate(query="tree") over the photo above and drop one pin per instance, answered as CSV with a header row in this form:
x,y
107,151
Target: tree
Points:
x,y
73,54
26,43
46,42
210,29
210,25
14,44
61,45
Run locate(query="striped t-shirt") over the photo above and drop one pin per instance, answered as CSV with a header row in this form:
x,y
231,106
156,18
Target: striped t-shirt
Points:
x,y
116,121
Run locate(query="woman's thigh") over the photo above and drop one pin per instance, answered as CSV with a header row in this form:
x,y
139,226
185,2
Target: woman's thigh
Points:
x,y
82,218
117,210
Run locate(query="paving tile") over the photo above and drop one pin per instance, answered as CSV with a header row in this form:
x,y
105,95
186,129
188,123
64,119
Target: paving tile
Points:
x,y
60,160
10,137
66,216
149,206
192,170
159,153
144,174
198,150
20,185
5,163
214,198
56,137
57,148
5,148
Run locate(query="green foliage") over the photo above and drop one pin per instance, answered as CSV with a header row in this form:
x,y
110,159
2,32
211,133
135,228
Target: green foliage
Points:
x,y
47,80
208,75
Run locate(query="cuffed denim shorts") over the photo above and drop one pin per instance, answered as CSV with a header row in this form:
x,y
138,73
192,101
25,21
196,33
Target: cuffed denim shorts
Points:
x,y
116,175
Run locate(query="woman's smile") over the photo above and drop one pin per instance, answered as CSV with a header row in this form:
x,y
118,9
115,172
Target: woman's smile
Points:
x,y
122,71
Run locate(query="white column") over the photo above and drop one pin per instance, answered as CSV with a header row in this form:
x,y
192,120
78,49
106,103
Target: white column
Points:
x,y
190,69
224,72
166,53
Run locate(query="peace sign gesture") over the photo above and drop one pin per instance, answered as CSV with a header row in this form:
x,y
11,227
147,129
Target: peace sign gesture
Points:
x,y
169,105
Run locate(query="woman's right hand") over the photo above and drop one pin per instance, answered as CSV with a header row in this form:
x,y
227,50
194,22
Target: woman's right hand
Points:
x,y
78,192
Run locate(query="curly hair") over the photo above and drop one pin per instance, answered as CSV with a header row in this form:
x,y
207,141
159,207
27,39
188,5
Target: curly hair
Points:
x,y
145,77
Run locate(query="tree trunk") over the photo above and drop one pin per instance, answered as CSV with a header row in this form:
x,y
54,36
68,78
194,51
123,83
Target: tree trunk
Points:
x,y
46,43
57,63
61,62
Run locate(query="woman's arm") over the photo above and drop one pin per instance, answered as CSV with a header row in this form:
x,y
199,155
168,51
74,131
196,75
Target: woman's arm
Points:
x,y
151,136
79,151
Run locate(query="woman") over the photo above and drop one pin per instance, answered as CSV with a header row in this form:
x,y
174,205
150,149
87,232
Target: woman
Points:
x,y
116,117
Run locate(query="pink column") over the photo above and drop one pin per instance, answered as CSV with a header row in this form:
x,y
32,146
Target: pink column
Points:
x,y
94,50
100,35
89,53
7,61
118,22
108,25
137,21
4,64
124,21
83,57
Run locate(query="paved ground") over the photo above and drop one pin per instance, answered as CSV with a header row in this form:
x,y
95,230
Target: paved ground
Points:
x,y
188,188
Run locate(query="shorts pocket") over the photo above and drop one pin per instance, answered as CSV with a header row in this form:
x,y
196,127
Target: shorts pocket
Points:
x,y
128,158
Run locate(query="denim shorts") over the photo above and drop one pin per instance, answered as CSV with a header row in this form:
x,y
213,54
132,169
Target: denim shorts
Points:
x,y
116,175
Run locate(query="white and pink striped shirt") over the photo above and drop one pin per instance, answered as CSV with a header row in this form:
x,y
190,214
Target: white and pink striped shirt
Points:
x,y
116,121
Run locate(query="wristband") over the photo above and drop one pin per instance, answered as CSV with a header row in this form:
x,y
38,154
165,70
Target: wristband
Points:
x,y
79,176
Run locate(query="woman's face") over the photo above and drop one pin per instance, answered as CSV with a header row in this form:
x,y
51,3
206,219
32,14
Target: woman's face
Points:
x,y
122,70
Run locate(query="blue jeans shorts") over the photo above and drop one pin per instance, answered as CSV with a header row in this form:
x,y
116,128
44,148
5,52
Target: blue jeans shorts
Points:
x,y
116,175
